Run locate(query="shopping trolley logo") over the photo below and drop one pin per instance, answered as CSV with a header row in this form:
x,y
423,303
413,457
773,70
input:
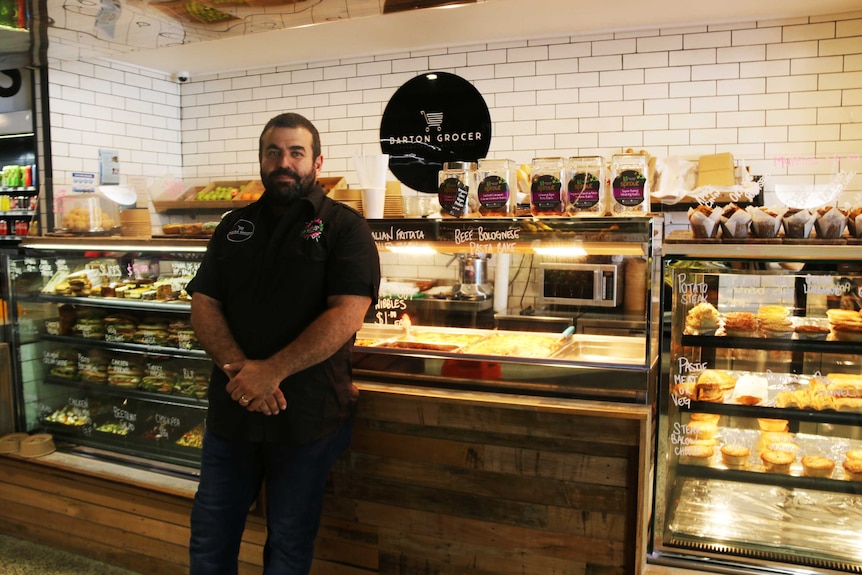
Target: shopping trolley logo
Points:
x,y
433,120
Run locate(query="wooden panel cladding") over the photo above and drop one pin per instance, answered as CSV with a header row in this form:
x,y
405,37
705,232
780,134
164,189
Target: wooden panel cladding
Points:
x,y
493,487
122,524
434,483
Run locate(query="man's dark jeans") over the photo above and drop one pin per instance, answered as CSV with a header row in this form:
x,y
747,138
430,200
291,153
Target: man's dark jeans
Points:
x,y
231,476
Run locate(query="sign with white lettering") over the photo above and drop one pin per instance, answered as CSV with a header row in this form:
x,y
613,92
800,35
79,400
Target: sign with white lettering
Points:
x,y
432,119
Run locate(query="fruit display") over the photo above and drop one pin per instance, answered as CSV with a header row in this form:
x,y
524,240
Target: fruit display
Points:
x,y
228,192
218,193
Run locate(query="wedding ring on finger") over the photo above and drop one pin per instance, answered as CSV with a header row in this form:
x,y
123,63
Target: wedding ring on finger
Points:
x,y
244,400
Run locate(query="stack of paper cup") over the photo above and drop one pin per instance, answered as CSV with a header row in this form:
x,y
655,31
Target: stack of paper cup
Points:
x,y
372,180
373,202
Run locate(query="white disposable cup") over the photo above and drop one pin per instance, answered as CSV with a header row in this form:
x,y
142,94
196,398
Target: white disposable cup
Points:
x,y
373,201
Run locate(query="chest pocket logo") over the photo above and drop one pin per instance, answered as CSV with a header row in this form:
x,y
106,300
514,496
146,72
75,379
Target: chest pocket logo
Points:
x,y
242,231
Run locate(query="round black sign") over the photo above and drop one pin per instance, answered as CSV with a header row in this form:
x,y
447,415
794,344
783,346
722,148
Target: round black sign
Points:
x,y
433,119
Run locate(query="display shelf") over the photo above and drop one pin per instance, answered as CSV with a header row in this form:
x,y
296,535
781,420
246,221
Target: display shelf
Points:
x,y
174,306
131,393
772,344
754,411
127,347
187,202
788,481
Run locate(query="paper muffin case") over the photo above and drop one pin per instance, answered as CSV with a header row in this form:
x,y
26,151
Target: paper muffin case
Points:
x,y
11,443
37,445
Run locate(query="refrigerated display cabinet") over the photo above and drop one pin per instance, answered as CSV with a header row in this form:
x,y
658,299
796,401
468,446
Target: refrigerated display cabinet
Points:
x,y
120,378
760,411
106,361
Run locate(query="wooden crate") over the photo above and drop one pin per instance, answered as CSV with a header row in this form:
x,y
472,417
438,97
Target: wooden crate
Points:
x,y
333,183
188,202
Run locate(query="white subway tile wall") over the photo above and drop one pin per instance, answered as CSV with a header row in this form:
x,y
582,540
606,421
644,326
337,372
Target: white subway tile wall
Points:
x,y
784,96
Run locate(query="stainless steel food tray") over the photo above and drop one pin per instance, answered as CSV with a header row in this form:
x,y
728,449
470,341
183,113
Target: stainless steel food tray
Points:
x,y
581,348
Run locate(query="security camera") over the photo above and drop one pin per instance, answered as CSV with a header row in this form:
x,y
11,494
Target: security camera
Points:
x,y
183,77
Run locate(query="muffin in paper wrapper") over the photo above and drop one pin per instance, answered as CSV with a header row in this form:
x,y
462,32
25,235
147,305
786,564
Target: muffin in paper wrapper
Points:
x,y
704,221
830,222
798,223
854,222
735,222
765,222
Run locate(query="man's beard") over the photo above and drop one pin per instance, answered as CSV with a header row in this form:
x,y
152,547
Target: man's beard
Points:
x,y
284,192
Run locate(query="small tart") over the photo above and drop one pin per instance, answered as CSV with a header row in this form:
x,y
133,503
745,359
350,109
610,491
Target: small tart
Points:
x,y
853,469
710,417
809,331
817,466
854,454
697,454
701,429
772,424
735,455
777,461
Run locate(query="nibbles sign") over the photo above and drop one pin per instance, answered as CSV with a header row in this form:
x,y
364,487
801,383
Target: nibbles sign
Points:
x,y
433,119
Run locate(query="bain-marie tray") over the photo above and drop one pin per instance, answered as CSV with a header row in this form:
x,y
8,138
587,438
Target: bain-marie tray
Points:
x,y
514,344
517,345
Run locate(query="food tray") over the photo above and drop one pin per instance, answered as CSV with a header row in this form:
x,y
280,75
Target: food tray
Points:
x,y
187,200
687,237
446,341
108,431
790,334
422,338
603,349
517,344
811,391
805,444
372,334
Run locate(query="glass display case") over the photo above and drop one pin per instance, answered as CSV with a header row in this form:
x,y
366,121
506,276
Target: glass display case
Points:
x,y
108,364
545,306
760,422
105,357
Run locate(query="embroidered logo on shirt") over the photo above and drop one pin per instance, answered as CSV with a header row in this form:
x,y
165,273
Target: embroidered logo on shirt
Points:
x,y
313,230
241,231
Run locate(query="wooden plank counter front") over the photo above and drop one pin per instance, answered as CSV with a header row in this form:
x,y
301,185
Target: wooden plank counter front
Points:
x,y
435,482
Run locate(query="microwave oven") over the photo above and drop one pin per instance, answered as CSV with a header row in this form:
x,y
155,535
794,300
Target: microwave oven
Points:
x,y
580,284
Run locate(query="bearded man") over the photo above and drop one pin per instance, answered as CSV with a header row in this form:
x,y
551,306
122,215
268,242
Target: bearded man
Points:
x,y
279,296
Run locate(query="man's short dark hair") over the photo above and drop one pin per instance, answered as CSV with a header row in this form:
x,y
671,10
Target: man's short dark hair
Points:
x,y
292,120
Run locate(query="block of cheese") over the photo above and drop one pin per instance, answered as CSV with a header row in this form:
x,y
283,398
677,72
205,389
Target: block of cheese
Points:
x,y
716,170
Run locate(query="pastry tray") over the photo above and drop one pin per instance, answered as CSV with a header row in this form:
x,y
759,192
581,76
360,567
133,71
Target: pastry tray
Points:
x,y
778,383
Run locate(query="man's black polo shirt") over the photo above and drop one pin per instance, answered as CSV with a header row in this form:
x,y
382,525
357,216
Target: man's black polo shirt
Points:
x,y
272,276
